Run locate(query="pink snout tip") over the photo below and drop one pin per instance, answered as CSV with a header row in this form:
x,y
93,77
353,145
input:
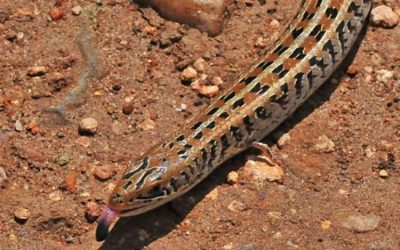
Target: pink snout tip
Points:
x,y
107,218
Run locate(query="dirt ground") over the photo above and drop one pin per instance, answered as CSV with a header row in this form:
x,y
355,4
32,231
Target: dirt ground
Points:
x,y
136,60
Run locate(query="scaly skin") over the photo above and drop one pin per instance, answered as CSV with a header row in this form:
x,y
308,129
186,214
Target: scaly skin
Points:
x,y
309,51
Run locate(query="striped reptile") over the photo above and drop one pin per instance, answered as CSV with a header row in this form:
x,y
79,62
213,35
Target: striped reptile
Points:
x,y
308,52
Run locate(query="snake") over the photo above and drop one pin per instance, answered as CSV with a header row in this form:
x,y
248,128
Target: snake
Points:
x,y
308,52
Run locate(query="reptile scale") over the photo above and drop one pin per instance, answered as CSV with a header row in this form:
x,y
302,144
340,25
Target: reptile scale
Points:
x,y
309,51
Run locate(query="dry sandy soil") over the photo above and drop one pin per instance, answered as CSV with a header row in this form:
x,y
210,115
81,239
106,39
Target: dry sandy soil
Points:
x,y
137,56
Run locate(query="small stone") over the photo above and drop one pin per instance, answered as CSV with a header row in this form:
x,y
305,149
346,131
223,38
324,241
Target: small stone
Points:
x,y
21,215
3,175
361,223
70,182
56,14
274,24
77,10
33,127
326,224
384,16
235,206
83,141
55,196
343,192
18,126
353,69
63,160
217,81
383,173
69,239
370,152
200,65
150,30
37,71
208,91
147,124
324,144
232,177
127,109
103,172
92,211
88,126
283,140
261,171
384,75
189,74
20,36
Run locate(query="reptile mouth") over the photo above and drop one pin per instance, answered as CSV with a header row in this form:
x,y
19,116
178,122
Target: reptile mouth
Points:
x,y
108,217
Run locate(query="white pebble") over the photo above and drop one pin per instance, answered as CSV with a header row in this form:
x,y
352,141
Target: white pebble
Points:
x,y
88,126
37,71
324,144
384,16
361,223
200,65
189,74
77,10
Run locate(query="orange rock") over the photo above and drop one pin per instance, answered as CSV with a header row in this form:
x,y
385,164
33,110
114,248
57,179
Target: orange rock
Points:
x,y
56,14
70,182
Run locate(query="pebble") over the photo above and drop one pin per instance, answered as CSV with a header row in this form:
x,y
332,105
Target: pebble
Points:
x,y
384,16
55,196
69,239
103,172
18,126
326,224
70,182
3,175
274,24
384,75
147,124
21,215
37,71
232,177
217,81
235,206
361,223
33,128
63,160
353,69
383,173
199,65
83,141
208,91
324,144
77,10
189,74
261,171
88,126
92,211
56,14
127,109
283,140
